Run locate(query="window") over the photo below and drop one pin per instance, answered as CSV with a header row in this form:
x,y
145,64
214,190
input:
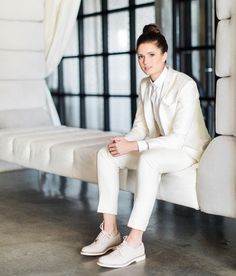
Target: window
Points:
x,y
194,49
95,85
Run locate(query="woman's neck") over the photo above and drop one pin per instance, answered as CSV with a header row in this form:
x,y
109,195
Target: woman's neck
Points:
x,y
157,75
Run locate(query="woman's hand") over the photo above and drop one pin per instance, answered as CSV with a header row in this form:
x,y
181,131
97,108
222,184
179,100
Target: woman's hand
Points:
x,y
120,146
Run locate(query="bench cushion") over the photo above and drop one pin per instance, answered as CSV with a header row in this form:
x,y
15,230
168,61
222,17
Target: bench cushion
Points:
x,y
66,151
71,152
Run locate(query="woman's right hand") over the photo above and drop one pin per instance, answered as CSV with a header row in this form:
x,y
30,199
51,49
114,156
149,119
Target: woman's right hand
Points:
x,y
120,146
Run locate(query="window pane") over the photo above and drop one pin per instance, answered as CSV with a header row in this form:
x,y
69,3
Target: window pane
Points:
x,y
143,1
120,114
119,74
195,23
92,35
144,16
73,44
93,75
91,6
203,71
118,32
199,17
201,14
71,75
208,109
199,64
72,111
94,112
52,80
114,4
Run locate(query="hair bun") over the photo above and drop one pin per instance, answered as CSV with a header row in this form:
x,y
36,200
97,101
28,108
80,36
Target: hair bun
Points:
x,y
151,28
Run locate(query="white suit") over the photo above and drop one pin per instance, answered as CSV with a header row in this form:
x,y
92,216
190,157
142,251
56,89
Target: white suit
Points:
x,y
180,117
184,140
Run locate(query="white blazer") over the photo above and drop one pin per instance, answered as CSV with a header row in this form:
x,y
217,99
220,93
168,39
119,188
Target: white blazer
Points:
x,y
180,116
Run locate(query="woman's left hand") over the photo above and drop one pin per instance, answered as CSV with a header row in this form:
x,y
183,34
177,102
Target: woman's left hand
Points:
x,y
120,146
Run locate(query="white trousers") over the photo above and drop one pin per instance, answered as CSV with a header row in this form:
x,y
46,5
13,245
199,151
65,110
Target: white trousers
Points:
x,y
149,166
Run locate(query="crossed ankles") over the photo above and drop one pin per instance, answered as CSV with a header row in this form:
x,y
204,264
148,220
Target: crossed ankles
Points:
x,y
122,255
102,244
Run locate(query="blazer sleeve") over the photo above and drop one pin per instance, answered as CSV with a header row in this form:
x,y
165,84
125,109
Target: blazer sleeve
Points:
x,y
139,130
188,99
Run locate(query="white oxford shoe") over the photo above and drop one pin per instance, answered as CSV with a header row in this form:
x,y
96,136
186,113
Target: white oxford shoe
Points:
x,y
103,243
123,256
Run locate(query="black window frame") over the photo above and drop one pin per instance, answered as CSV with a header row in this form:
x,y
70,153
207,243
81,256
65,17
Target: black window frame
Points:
x,y
182,11
60,94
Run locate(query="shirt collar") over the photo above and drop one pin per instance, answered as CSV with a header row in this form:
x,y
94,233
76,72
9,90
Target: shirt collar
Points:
x,y
160,80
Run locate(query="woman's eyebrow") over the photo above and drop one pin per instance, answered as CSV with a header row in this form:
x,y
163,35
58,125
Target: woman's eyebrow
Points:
x,y
150,52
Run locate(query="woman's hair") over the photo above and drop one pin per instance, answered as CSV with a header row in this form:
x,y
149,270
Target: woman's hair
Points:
x,y
152,33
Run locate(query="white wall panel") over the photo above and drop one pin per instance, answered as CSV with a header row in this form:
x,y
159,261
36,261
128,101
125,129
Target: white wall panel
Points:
x,y
22,94
15,65
15,35
22,10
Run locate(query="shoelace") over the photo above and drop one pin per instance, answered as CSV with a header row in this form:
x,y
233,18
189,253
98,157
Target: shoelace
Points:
x,y
120,247
102,234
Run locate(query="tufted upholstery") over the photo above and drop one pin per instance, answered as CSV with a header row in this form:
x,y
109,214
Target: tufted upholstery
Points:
x,y
217,175
25,100
72,152
22,63
61,150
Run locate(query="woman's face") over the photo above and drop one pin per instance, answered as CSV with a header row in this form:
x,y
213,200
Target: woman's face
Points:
x,y
151,59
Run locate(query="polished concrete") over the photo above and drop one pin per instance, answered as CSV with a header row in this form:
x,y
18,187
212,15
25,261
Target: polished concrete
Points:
x,y
43,227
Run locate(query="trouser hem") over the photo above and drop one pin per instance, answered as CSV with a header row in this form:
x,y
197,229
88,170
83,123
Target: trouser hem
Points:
x,y
106,211
137,226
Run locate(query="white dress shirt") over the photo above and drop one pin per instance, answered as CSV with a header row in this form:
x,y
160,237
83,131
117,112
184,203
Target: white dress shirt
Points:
x,y
155,88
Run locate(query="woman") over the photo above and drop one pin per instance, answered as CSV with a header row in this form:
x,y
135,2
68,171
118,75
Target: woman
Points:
x,y
168,135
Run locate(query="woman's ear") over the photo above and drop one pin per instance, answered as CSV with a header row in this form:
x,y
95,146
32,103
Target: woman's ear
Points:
x,y
164,57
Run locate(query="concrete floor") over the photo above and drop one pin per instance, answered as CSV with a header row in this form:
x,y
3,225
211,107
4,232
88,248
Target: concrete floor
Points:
x,y
43,228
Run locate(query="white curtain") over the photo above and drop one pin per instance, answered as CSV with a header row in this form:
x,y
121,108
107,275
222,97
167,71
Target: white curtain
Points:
x,y
60,16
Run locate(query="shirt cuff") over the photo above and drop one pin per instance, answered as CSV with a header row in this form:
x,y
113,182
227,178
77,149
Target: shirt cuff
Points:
x,y
142,146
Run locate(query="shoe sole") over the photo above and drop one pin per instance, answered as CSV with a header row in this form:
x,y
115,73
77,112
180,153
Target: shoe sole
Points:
x,y
97,254
136,260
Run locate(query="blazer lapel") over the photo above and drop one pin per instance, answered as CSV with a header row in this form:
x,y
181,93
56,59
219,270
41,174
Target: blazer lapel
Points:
x,y
164,94
167,83
148,111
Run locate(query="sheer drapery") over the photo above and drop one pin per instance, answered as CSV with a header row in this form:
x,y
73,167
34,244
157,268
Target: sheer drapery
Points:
x,y
60,16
